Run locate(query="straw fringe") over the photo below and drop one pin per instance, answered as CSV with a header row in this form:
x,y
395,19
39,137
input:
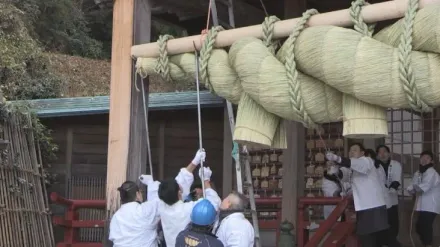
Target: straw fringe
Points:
x,y
343,59
363,120
254,127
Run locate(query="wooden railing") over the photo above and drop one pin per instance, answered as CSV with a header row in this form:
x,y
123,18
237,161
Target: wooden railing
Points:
x,y
72,223
273,224
340,232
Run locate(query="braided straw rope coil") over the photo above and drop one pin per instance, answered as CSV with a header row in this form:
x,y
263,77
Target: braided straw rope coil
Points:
x,y
305,80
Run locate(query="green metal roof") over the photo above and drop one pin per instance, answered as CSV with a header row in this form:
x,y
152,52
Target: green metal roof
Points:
x,y
46,108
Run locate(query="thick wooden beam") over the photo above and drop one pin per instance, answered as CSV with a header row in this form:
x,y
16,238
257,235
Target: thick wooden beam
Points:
x,y
120,94
293,170
227,157
137,158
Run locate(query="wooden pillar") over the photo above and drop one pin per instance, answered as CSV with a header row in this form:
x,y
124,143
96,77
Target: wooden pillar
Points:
x,y
69,151
294,8
293,170
294,156
120,99
227,157
137,156
161,147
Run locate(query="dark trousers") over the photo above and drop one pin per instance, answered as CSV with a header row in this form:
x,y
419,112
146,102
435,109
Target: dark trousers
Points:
x,y
389,237
370,240
424,226
393,221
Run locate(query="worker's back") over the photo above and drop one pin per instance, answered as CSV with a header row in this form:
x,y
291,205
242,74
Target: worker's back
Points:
x,y
191,237
135,224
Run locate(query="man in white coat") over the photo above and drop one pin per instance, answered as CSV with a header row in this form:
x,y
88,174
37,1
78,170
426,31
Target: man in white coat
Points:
x,y
369,201
174,213
393,181
334,186
233,229
135,223
426,187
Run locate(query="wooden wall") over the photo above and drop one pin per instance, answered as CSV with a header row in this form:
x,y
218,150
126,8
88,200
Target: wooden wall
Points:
x,y
83,141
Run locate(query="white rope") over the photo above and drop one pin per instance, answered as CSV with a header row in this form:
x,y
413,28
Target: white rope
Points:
x,y
145,103
199,116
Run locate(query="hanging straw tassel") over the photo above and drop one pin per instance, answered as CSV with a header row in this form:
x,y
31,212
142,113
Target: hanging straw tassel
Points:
x,y
361,119
254,127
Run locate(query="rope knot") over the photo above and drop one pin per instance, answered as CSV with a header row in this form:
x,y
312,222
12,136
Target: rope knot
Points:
x,y
163,65
295,94
205,54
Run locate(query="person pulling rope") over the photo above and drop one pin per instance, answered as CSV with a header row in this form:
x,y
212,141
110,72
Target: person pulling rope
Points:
x,y
426,188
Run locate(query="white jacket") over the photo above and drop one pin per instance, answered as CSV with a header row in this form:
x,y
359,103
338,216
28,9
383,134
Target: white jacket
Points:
x,y
135,224
394,174
429,183
330,187
175,218
383,178
366,184
236,231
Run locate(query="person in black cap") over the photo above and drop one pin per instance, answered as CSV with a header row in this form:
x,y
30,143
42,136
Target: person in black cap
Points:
x,y
135,223
196,192
426,187
393,180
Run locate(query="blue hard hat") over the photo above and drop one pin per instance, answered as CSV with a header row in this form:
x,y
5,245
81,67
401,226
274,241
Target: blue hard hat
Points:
x,y
203,213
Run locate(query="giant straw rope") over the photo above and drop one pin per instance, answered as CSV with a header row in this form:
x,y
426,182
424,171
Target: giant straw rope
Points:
x,y
320,74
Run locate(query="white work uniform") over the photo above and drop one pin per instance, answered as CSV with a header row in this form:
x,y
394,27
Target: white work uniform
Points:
x,y
236,231
383,179
329,188
135,224
366,184
394,174
429,182
175,218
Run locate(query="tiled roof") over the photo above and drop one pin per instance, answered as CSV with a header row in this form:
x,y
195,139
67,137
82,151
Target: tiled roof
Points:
x,y
100,104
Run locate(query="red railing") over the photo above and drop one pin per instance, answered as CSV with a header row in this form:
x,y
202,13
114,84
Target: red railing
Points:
x,y
273,224
340,232
72,223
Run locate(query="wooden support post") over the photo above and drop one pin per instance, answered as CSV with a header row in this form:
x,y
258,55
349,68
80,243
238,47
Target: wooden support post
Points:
x,y
161,147
120,99
137,158
293,171
228,164
69,150
294,8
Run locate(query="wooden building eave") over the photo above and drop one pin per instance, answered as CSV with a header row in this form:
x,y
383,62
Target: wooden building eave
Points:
x,y
64,107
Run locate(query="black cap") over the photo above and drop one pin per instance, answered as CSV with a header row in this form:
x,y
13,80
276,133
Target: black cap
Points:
x,y
383,146
427,152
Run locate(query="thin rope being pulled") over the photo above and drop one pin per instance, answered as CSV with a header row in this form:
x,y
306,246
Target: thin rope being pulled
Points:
x,y
205,55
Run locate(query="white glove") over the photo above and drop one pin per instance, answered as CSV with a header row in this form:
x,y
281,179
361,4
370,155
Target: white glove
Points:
x,y
206,173
333,157
200,156
146,179
333,170
417,188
